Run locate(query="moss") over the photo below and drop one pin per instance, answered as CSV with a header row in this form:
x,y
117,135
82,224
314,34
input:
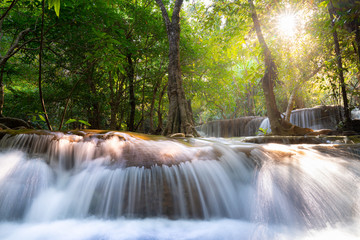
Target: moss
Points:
x,y
354,139
84,133
23,131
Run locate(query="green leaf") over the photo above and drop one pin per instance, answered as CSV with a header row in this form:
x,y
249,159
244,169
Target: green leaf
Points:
x,y
71,120
42,118
56,5
324,3
84,122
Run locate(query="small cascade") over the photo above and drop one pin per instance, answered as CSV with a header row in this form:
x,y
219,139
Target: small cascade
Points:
x,y
243,126
355,113
120,186
320,117
316,118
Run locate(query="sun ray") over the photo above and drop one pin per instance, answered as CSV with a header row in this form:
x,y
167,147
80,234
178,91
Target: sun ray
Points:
x,y
287,24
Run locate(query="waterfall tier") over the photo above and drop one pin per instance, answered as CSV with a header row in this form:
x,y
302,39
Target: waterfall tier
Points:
x,y
320,117
213,190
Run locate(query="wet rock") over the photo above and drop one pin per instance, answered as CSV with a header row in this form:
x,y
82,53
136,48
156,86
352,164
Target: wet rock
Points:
x,y
321,132
14,123
349,133
3,127
177,135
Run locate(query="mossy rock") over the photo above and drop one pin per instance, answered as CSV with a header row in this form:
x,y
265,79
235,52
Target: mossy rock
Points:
x,y
14,122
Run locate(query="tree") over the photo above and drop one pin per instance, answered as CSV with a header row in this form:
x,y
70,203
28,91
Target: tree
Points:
x,y
179,115
278,125
14,48
40,65
339,65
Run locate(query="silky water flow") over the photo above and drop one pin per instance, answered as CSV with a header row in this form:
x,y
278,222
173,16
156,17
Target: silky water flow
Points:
x,y
118,186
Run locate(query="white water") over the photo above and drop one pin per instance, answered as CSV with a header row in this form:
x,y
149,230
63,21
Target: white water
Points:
x,y
126,188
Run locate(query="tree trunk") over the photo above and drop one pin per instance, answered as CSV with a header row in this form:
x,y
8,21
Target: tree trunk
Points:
x,y
94,107
290,105
179,116
113,103
292,98
67,104
250,100
40,65
277,124
339,65
2,90
152,105
357,40
269,76
159,128
130,74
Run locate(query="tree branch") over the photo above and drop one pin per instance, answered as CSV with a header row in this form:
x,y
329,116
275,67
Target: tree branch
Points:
x,y
14,46
176,12
164,13
8,9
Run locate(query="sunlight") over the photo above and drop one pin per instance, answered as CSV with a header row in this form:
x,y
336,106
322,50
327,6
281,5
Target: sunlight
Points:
x,y
287,24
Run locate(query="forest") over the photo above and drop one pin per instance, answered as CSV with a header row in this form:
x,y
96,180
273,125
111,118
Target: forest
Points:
x,y
179,119
166,66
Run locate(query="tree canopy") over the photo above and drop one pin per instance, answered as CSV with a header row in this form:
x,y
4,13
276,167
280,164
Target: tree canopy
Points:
x,y
106,64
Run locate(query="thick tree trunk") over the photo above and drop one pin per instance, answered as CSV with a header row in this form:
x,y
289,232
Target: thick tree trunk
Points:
x,y
179,116
269,77
278,125
339,65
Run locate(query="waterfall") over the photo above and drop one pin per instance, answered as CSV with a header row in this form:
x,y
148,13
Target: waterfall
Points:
x,y
243,126
320,117
119,186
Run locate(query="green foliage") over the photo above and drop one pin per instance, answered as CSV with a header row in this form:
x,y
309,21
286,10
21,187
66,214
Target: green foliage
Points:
x,y
56,5
71,120
262,131
91,48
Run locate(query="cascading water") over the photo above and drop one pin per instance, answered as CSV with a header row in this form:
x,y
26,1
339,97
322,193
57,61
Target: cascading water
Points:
x,y
320,117
118,186
243,126
316,118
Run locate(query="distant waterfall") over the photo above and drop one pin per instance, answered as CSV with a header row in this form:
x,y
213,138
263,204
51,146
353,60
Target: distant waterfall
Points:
x,y
320,117
316,118
243,126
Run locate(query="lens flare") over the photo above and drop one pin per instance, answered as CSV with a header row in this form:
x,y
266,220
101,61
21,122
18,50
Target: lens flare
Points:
x,y
287,24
